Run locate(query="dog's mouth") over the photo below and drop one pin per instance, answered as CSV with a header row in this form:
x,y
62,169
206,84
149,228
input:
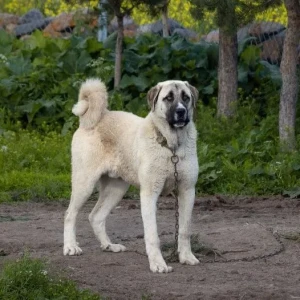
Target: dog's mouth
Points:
x,y
180,123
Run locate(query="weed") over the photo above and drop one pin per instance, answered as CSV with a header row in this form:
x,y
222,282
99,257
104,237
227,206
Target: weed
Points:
x,y
29,279
294,236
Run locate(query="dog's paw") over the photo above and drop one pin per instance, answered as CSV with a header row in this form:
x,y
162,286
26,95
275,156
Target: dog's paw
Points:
x,y
188,258
114,248
72,250
159,266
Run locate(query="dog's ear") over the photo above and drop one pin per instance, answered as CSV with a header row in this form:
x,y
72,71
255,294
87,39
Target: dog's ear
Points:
x,y
152,96
194,92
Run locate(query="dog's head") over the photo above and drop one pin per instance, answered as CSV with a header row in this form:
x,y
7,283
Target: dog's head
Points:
x,y
173,100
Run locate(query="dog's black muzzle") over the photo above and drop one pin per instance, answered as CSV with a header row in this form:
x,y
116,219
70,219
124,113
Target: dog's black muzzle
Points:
x,y
178,117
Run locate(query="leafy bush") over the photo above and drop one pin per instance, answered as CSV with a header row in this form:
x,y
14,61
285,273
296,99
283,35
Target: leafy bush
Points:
x,y
29,279
39,77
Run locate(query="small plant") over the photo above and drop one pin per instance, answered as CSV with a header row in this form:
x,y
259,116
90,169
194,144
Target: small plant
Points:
x,y
293,236
29,279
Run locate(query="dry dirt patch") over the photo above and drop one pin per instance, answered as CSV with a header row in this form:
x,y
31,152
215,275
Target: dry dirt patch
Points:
x,y
239,229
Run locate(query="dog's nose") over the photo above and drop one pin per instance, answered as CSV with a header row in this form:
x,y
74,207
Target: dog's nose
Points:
x,y
180,111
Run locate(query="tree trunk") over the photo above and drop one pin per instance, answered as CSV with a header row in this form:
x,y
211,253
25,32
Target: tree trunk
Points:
x,y
119,50
164,18
227,73
290,81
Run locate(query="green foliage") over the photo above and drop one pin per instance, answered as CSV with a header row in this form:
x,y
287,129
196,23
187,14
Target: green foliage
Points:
x,y
29,279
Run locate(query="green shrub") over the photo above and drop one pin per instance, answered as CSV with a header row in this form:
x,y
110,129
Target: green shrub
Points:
x,y
29,279
241,155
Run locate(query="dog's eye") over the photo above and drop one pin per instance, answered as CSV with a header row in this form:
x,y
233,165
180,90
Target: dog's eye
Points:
x,y
185,98
169,98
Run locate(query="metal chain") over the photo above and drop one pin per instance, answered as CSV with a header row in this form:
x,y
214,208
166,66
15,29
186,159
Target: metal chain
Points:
x,y
277,251
175,160
173,257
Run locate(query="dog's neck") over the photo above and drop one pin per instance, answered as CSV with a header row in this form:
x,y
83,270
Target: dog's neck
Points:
x,y
172,137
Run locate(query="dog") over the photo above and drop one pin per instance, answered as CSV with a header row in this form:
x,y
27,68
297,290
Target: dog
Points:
x,y
112,150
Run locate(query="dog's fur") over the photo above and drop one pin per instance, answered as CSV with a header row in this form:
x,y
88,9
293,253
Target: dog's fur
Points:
x,y
113,149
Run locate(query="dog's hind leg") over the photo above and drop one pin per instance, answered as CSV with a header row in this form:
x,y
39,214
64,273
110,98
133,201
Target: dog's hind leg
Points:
x,y
82,188
111,192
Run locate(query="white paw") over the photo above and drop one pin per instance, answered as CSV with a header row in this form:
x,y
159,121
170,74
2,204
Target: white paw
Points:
x,y
159,266
72,250
114,248
188,258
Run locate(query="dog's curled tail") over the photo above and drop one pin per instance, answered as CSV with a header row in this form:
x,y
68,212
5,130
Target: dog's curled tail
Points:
x,y
92,103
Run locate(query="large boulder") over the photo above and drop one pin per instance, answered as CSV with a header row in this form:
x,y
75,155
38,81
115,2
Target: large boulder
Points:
x,y
212,37
7,19
173,26
28,28
261,31
265,30
186,33
157,27
30,22
31,16
272,48
267,35
63,23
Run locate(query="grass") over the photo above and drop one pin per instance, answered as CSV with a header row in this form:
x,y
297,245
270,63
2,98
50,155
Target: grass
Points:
x,y
34,165
29,279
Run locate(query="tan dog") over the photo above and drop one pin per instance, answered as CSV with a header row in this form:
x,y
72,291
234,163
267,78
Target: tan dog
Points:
x,y
114,149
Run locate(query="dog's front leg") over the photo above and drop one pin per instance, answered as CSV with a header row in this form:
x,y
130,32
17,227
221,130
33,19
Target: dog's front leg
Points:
x,y
186,204
148,207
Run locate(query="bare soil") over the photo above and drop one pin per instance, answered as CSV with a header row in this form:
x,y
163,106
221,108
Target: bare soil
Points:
x,y
247,230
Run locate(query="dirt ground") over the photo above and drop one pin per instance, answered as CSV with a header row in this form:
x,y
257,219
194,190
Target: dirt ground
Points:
x,y
244,229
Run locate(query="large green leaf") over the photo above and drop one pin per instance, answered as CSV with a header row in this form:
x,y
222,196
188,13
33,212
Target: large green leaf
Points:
x,y
19,65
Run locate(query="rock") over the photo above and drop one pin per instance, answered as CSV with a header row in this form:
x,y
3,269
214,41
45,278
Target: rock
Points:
x,y
8,19
128,24
212,37
272,48
186,33
264,30
10,28
62,23
31,16
157,27
28,28
261,31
